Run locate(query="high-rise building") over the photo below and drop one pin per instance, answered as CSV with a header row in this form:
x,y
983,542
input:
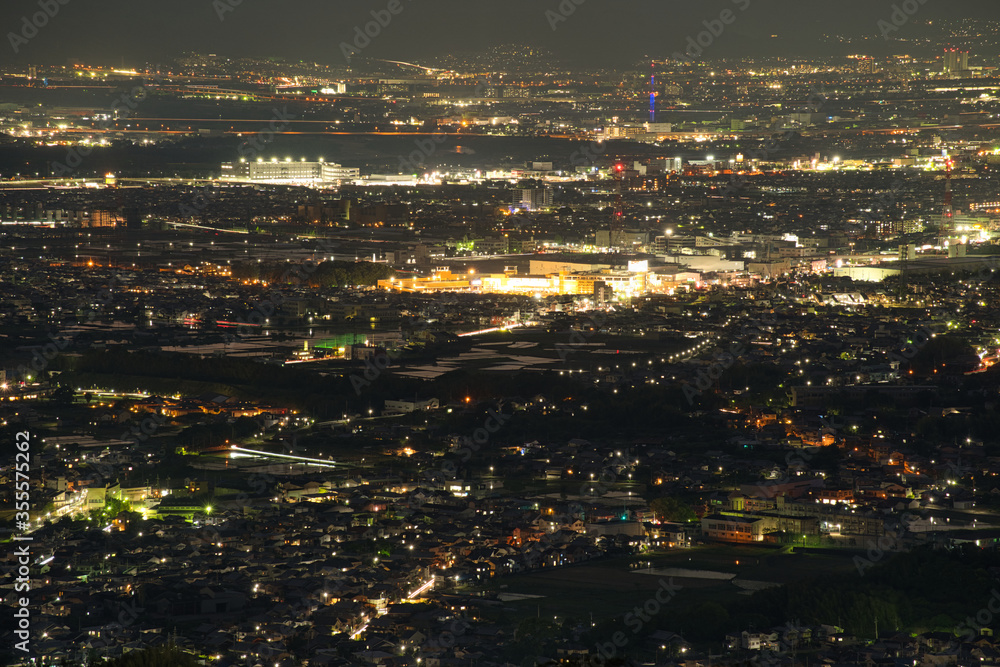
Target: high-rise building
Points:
x,y
533,199
948,212
652,96
669,164
103,218
313,174
955,61
132,216
866,65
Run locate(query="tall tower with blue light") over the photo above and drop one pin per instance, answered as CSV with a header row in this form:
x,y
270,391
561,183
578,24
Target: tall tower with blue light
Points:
x,y
652,94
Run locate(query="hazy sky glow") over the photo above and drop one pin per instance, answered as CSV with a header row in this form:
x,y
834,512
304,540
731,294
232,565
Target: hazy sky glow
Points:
x,y
612,31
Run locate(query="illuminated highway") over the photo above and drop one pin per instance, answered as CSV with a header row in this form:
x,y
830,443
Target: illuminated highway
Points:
x,y
242,451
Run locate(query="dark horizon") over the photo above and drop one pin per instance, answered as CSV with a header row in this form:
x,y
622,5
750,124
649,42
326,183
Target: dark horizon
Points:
x,y
596,32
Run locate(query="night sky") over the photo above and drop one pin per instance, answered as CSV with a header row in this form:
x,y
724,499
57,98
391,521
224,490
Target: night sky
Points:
x,y
615,32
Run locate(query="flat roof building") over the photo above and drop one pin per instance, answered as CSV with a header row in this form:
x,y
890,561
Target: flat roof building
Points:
x,y
311,174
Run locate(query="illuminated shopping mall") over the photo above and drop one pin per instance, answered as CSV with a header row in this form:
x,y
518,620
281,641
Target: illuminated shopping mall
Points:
x,y
611,283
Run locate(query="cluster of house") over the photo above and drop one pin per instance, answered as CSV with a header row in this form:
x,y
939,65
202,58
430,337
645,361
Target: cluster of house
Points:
x,y
793,642
343,571
356,572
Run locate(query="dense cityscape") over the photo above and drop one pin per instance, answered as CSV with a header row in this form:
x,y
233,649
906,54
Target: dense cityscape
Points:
x,y
501,356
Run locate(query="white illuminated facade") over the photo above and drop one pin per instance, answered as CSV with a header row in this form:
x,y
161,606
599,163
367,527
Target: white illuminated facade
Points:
x,y
287,172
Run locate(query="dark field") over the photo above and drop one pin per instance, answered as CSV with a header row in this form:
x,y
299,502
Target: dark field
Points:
x,y
611,588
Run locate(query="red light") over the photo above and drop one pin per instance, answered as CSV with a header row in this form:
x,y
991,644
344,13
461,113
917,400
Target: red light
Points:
x,y
619,167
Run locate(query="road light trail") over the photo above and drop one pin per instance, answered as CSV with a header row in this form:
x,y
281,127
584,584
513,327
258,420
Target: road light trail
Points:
x,y
257,452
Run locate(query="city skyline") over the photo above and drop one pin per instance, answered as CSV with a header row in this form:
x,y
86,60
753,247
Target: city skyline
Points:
x,y
563,333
